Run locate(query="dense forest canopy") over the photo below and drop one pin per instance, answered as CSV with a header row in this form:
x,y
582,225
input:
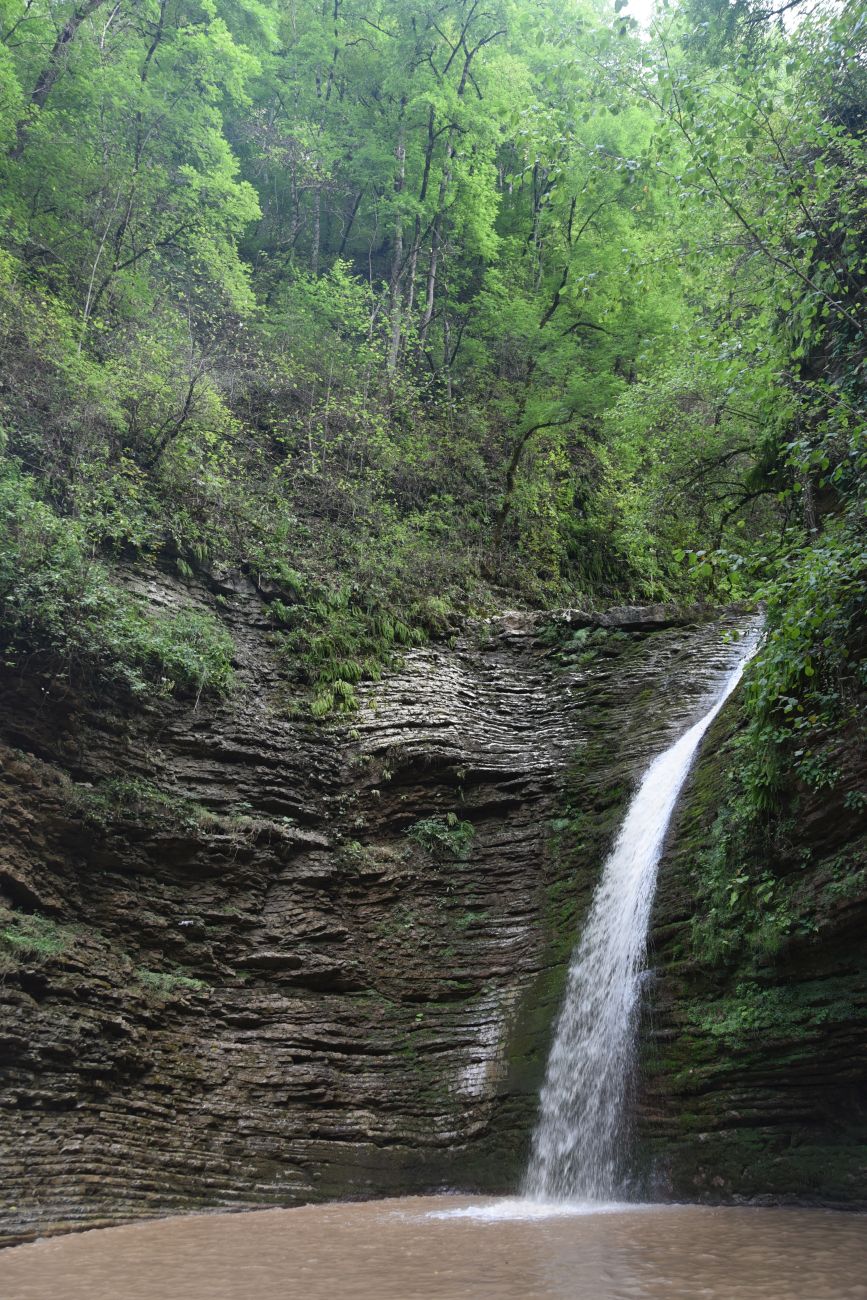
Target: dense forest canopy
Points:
x,y
410,308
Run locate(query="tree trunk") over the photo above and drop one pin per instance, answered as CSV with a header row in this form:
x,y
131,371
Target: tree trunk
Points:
x,y
51,72
396,277
317,229
435,242
422,195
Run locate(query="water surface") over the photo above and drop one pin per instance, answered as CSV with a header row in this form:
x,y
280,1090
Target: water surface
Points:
x,y
455,1248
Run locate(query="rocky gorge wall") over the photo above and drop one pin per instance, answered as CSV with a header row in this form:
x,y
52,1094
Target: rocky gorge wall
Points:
x,y
754,1042
253,960
247,959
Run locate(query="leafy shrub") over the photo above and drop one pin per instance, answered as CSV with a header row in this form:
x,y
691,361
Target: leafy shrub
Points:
x,y
744,905
57,604
443,836
165,983
189,649
111,801
577,647
809,676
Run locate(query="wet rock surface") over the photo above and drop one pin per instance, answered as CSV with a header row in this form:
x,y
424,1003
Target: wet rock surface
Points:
x,y
754,1078
253,960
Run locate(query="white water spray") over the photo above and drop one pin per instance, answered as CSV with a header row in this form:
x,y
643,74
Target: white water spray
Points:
x,y
580,1143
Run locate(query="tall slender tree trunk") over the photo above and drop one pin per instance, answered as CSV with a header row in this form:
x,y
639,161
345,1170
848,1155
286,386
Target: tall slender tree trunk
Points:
x,y
435,246
317,229
436,234
397,269
422,195
350,222
50,72
447,353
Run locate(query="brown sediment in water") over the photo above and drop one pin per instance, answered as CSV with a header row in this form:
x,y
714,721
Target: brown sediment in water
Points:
x,y
455,1248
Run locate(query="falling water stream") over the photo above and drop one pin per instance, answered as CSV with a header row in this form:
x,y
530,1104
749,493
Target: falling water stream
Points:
x,y
580,1146
565,1238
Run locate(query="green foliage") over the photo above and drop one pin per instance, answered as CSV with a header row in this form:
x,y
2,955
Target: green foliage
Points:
x,y
335,643
740,909
122,798
811,673
31,937
443,837
805,688
59,607
783,1013
415,311
189,649
757,885
168,983
576,647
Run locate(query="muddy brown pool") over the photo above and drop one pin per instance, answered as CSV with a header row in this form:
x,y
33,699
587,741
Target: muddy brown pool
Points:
x,y
452,1248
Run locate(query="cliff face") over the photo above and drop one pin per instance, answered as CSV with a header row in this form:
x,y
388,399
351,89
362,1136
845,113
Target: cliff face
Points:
x,y
754,1080
248,960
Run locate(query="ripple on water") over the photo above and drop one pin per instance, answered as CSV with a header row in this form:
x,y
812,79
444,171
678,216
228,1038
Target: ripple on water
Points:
x,y
455,1248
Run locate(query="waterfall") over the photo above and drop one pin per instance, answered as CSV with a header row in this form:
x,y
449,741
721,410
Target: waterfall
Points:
x,y
580,1144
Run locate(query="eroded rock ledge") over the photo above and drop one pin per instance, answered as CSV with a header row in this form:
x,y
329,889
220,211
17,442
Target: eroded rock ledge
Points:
x,y
251,985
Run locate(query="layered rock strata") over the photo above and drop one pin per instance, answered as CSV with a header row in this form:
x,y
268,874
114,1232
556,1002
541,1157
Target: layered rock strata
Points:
x,y
251,960
754,1043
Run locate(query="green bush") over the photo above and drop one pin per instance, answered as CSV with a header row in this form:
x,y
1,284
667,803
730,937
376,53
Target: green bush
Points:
x,y
337,642
167,983
110,802
446,836
808,679
58,607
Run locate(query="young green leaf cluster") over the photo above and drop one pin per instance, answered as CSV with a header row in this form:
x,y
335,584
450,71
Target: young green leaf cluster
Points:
x,y
410,308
